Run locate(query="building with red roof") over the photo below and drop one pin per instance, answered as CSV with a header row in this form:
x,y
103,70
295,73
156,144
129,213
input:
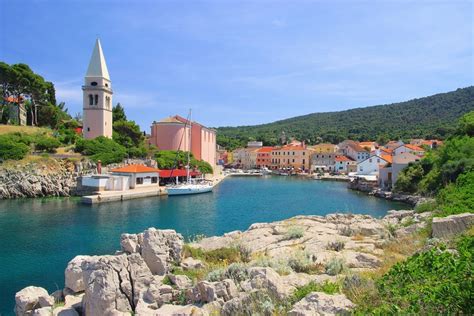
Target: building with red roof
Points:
x,y
264,157
344,164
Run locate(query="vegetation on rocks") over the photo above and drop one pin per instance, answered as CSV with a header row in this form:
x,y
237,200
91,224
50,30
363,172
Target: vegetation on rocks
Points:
x,y
101,148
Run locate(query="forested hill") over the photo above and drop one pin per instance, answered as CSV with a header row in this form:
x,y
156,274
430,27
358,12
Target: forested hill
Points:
x,y
429,117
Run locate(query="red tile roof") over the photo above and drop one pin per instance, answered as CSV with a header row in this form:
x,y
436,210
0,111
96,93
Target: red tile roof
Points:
x,y
177,173
265,149
342,158
135,169
413,147
388,158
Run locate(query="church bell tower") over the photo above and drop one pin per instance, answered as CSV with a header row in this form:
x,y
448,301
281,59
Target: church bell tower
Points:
x,y
97,97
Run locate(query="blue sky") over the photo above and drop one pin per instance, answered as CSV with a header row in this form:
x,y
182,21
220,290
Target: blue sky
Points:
x,y
245,62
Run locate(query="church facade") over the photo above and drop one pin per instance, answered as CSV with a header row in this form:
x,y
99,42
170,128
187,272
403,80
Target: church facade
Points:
x,y
97,97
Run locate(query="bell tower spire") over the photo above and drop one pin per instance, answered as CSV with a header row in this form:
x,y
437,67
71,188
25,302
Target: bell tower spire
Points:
x,y
97,97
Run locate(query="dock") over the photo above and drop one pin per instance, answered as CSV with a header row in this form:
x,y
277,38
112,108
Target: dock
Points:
x,y
116,196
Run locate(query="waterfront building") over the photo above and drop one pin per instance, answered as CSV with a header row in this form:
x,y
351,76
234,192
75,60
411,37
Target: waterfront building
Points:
x,y
415,150
249,158
237,156
291,156
353,150
388,174
323,161
324,148
264,157
177,133
371,165
344,164
97,97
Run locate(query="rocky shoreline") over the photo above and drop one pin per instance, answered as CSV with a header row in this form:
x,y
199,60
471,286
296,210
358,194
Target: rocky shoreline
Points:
x,y
254,271
55,177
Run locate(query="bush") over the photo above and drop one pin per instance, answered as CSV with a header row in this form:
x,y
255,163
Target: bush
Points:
x,y
10,149
101,148
346,231
237,272
429,206
216,275
303,262
46,143
335,266
432,282
226,254
280,266
294,232
458,198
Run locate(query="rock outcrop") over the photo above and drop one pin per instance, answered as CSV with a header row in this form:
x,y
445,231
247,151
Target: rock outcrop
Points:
x,y
318,303
54,178
159,248
450,225
286,255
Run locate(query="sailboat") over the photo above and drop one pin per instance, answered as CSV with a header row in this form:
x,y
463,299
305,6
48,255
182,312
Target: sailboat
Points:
x,y
191,186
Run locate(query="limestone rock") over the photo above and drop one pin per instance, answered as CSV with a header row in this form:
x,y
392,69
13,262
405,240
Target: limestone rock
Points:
x,y
73,274
65,311
181,281
267,278
240,305
130,243
114,284
191,263
178,310
160,248
30,298
318,303
211,291
453,224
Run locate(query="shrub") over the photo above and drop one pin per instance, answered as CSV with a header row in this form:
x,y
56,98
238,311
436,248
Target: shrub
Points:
x,y
216,275
245,252
294,232
226,254
280,266
303,262
335,266
346,231
431,282
336,245
101,148
237,272
10,149
45,143
458,197
429,206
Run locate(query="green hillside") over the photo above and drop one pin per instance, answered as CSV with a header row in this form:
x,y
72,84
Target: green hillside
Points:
x,y
429,117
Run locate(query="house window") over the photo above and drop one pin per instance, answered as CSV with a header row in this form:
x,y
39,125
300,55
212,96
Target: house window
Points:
x,y
154,179
293,160
139,180
303,161
88,129
370,160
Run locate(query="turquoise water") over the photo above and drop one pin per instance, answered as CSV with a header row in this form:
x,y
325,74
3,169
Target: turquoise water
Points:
x,y
39,236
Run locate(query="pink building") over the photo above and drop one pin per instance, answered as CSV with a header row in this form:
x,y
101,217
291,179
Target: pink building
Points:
x,y
173,133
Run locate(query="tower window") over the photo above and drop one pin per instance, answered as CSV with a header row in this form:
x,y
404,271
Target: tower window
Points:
x,y
88,129
93,83
106,84
96,99
91,101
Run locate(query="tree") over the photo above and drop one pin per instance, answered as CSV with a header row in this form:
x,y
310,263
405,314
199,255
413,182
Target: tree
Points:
x,y
118,113
101,148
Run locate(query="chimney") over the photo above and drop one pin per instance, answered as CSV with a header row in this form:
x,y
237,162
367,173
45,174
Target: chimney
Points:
x,y
99,167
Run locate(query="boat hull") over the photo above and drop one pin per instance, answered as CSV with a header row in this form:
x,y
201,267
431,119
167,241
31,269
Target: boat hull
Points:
x,y
189,190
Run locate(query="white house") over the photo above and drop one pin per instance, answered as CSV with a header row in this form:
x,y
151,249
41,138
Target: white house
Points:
x,y
353,150
388,175
408,148
343,164
371,165
139,175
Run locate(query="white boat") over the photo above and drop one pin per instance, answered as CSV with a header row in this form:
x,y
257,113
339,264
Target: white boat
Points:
x,y
191,186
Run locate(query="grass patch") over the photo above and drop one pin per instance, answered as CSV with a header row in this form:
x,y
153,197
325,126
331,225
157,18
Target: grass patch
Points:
x,y
294,232
222,255
326,287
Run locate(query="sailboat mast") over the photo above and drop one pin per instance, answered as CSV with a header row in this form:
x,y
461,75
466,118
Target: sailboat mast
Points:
x,y
190,148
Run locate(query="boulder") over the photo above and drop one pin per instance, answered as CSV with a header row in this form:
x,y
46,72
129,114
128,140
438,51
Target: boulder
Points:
x,y
240,305
160,248
318,303
191,263
65,311
179,310
73,274
30,298
181,281
453,224
269,279
211,291
130,242
114,284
